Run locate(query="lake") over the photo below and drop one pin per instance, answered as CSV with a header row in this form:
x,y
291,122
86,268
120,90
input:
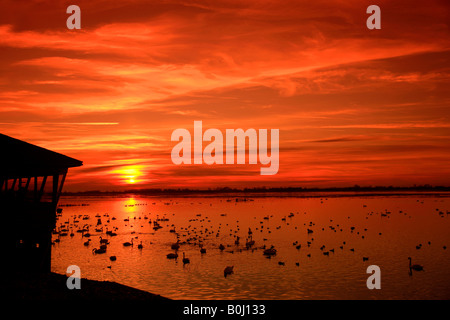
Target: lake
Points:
x,y
324,263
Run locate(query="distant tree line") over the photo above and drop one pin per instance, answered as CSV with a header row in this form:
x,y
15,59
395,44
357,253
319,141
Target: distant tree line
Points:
x,y
225,190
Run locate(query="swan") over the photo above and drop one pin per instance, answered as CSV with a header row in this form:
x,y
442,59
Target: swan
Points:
x,y
176,245
228,270
140,246
185,260
98,251
172,256
250,243
416,267
270,252
127,244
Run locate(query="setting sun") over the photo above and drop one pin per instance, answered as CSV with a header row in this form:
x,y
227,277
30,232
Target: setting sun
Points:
x,y
129,174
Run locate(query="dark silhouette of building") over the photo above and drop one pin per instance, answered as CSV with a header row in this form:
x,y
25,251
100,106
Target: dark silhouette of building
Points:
x,y
31,180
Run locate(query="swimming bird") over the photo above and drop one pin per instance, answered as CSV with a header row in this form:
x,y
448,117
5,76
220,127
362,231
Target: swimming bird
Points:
x,y
140,246
250,243
172,256
113,258
127,244
415,267
228,270
185,260
98,251
270,252
176,245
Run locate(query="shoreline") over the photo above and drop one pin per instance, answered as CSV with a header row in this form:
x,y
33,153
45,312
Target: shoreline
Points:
x,y
52,286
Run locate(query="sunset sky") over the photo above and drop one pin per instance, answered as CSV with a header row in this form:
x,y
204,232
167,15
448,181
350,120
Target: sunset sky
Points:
x,y
353,105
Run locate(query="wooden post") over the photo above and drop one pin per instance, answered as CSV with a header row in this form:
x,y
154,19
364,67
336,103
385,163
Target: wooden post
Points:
x,y
61,184
41,191
35,196
28,183
55,189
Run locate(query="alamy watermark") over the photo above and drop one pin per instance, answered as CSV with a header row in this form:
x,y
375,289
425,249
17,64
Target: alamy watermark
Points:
x,y
373,281
74,280
235,140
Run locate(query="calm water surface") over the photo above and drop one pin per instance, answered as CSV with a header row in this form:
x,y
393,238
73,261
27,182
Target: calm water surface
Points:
x,y
386,230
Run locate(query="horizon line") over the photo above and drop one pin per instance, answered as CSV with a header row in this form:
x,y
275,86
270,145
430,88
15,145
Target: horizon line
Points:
x,y
263,189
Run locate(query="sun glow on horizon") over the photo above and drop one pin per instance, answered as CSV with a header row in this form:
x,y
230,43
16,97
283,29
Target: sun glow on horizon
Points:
x,y
129,174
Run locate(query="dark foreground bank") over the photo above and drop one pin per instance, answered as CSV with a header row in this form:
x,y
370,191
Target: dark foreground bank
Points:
x,y
52,286
38,293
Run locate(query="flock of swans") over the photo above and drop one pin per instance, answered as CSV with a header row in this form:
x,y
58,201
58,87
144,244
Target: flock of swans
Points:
x,y
199,231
